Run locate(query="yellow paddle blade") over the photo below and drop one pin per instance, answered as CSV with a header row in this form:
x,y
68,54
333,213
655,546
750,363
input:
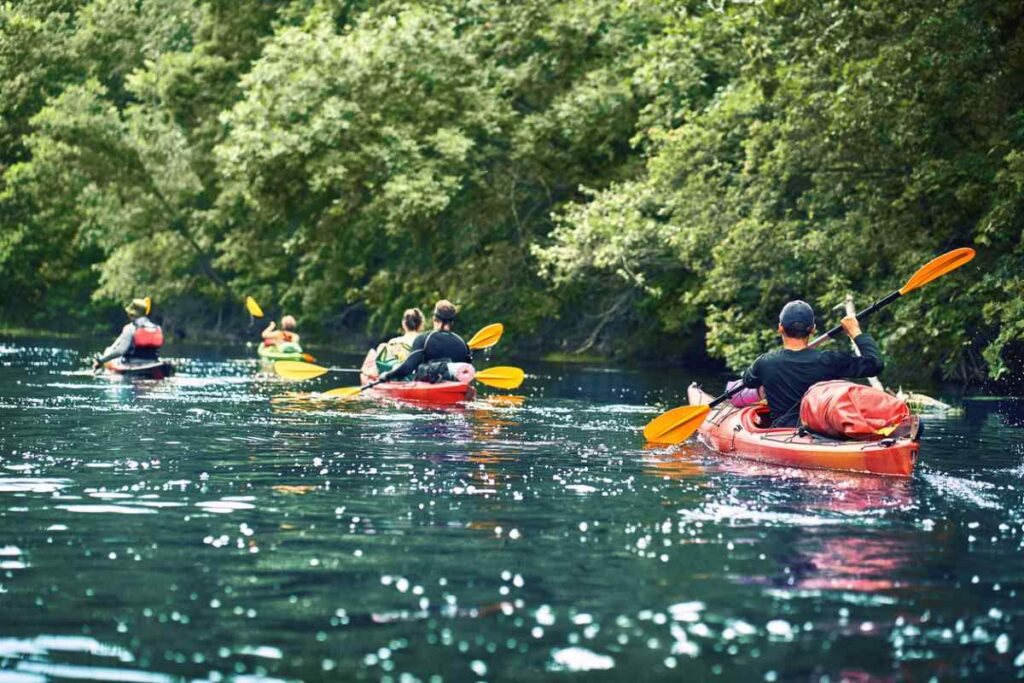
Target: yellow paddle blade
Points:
x,y
677,425
149,304
253,307
343,392
938,267
296,369
487,337
502,377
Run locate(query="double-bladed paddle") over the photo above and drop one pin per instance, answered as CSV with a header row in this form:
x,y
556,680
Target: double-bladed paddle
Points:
x,y
253,307
487,337
297,370
678,424
501,377
289,369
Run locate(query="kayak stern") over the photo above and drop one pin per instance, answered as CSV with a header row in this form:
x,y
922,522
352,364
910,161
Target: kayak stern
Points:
x,y
736,432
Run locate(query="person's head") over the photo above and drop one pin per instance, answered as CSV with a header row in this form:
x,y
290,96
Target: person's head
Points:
x,y
444,314
412,320
136,309
288,323
796,320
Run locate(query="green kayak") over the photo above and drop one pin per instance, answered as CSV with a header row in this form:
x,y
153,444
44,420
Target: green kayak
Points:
x,y
285,351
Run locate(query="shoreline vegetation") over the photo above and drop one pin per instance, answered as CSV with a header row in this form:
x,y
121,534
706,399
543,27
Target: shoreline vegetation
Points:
x,y
642,183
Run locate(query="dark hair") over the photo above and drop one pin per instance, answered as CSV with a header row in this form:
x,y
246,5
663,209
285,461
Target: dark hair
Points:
x,y
412,319
445,311
797,330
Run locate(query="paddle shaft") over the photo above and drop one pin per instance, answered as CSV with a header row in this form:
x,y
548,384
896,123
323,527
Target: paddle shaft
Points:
x,y
838,329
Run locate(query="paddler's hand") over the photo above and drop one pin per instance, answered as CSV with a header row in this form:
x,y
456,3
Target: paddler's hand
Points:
x,y
852,326
96,364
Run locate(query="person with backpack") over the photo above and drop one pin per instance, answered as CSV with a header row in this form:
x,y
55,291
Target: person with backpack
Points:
x,y
433,352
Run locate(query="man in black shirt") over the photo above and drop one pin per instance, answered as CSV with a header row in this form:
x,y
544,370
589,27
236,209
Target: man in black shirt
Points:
x,y
440,345
788,372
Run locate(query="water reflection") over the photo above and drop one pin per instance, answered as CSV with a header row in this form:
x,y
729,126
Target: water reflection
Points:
x,y
225,525
681,462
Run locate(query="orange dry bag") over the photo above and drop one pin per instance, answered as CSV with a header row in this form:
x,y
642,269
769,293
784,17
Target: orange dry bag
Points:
x,y
854,411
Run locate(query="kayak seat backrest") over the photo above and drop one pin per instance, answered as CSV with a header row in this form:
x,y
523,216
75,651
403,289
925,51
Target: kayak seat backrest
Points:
x,y
761,417
756,418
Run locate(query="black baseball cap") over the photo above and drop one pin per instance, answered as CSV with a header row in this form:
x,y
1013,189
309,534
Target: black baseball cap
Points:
x,y
797,316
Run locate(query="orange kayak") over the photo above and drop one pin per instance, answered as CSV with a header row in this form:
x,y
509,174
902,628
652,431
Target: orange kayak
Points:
x,y
736,432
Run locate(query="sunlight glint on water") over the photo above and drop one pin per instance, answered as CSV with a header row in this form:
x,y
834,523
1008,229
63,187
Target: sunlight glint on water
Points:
x,y
223,524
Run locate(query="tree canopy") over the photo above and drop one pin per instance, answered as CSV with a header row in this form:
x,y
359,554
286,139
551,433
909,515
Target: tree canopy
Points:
x,y
642,179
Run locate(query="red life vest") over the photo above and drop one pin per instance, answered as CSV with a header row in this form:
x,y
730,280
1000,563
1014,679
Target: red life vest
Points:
x,y
148,337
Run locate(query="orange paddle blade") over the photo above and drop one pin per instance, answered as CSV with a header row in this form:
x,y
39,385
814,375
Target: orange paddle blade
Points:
x,y
487,337
343,392
938,267
677,425
253,307
149,304
502,377
295,369
308,358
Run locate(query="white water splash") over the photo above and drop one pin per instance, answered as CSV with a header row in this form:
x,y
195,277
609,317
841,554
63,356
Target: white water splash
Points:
x,y
713,512
579,659
40,485
967,490
118,509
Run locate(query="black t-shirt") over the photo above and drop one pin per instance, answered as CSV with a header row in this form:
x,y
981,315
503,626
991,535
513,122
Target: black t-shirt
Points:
x,y
432,346
786,375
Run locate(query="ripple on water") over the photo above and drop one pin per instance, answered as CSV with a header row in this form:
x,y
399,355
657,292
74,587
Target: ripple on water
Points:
x,y
734,514
531,537
32,485
979,493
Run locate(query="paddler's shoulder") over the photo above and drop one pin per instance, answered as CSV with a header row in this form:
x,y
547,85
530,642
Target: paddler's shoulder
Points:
x,y
784,355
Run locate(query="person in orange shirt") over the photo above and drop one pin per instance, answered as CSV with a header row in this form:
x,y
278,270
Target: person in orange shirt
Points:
x,y
272,336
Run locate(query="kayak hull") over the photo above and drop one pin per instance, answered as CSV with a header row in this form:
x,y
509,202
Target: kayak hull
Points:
x,y
424,392
154,370
270,353
735,432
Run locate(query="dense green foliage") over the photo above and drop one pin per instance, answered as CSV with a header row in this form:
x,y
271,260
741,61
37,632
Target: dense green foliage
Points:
x,y
639,178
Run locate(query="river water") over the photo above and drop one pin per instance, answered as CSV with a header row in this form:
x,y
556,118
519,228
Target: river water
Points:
x,y
219,525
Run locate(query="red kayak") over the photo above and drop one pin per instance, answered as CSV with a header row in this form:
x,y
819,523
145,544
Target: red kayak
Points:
x,y
737,432
425,392
151,370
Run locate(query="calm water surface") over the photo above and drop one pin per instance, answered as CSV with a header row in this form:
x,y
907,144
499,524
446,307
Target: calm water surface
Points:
x,y
221,526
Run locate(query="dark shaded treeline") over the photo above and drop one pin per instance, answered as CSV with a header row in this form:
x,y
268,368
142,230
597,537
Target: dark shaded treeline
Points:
x,y
645,180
